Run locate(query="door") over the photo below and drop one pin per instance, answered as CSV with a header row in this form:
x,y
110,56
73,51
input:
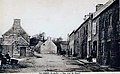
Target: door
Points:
x,y
82,51
22,51
94,49
108,53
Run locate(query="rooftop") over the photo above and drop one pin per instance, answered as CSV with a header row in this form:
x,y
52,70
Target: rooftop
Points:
x,y
104,7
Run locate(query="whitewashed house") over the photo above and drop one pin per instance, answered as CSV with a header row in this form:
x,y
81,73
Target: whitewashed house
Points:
x,y
48,47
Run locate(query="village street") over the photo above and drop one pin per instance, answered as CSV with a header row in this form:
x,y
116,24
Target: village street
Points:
x,y
49,62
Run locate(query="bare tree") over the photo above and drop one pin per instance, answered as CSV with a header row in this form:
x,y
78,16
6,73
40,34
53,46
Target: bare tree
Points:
x,y
60,39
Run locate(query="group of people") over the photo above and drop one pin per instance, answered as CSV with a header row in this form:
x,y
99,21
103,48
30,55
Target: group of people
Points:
x,y
5,59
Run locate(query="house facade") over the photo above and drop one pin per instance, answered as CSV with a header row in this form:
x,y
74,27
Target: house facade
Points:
x,y
48,47
89,35
105,37
16,40
99,35
64,46
82,38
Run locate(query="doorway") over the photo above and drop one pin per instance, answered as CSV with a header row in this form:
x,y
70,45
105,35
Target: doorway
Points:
x,y
82,57
94,51
108,53
22,51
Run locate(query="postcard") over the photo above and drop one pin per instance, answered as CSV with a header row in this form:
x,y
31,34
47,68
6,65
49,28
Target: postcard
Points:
x,y
59,36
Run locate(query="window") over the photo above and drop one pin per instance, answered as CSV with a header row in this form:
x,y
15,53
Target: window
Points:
x,y
102,48
110,20
110,26
94,30
104,22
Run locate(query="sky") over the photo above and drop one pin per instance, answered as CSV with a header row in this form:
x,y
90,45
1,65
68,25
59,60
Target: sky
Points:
x,y
56,18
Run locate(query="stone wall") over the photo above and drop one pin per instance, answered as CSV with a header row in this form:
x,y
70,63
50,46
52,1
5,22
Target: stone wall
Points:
x,y
108,36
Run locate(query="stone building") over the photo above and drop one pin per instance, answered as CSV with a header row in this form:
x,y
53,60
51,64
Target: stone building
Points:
x,y
81,38
99,35
77,42
15,40
71,43
89,36
58,44
106,34
64,46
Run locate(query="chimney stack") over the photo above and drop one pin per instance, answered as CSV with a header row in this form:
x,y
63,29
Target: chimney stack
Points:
x,y
17,22
99,6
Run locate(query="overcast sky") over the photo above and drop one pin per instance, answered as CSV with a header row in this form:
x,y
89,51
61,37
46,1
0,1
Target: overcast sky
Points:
x,y
54,17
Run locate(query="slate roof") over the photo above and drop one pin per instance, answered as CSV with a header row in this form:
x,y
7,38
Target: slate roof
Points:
x,y
22,42
7,42
17,30
104,7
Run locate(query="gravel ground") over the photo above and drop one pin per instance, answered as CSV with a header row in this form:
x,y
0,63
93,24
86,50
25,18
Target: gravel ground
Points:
x,y
48,62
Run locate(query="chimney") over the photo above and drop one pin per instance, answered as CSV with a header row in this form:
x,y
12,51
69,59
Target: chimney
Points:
x,y
99,6
17,22
87,16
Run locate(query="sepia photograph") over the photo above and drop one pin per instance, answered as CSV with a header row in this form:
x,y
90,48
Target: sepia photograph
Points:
x,y
59,36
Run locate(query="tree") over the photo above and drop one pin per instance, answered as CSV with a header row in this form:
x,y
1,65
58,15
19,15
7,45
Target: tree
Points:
x,y
36,38
40,36
34,41
59,39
